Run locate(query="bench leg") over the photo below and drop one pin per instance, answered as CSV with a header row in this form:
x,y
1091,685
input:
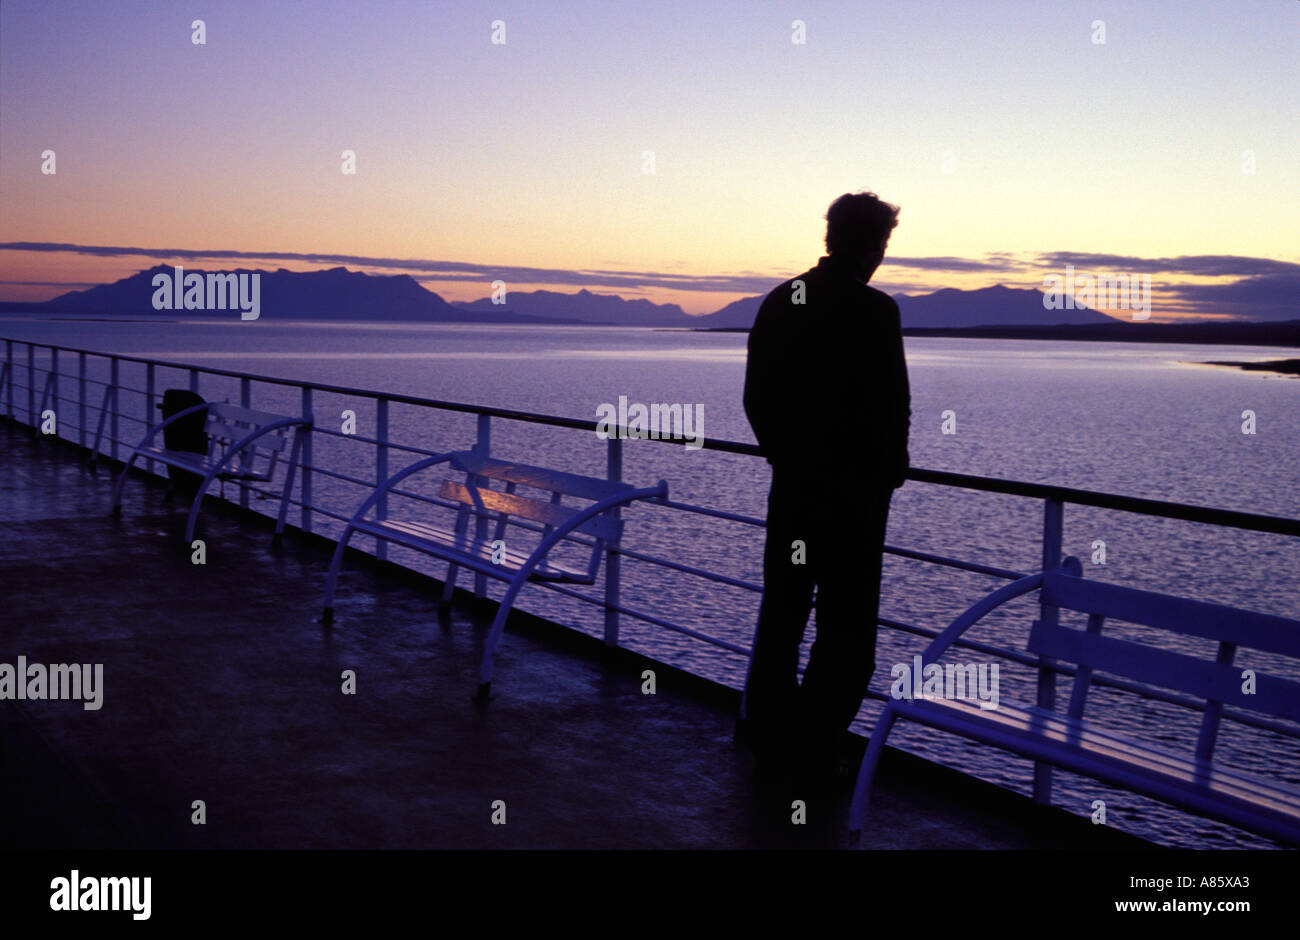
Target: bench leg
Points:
x,y
288,486
116,510
327,614
866,775
192,520
284,511
494,636
449,587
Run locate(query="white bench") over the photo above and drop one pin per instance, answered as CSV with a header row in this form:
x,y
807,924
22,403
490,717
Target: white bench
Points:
x,y
462,547
243,446
1193,781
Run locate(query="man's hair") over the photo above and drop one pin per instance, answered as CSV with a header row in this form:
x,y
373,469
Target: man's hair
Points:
x,y
858,223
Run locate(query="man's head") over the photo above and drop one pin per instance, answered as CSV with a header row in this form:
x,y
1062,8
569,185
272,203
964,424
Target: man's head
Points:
x,y
857,230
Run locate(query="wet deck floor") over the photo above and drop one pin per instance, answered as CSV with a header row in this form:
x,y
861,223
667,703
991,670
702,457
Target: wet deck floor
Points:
x,y
220,685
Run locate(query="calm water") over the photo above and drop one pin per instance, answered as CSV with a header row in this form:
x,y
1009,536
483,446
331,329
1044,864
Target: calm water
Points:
x,y
1131,419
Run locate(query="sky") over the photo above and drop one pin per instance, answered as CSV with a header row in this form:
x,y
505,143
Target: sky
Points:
x,y
681,151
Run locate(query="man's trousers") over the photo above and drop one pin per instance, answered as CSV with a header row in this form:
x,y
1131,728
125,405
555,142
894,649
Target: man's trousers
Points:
x,y
824,541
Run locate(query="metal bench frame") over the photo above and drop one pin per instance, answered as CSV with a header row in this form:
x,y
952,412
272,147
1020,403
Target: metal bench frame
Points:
x,y
1068,741
224,435
600,520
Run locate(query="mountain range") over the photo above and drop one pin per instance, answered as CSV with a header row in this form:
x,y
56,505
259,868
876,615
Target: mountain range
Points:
x,y
340,294
336,294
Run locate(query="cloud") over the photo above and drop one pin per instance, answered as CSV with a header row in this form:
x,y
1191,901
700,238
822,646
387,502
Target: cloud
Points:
x,y
67,285
1271,297
436,270
947,264
1263,289
1188,265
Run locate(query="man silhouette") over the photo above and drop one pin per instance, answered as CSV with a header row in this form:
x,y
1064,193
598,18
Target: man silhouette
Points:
x,y
827,395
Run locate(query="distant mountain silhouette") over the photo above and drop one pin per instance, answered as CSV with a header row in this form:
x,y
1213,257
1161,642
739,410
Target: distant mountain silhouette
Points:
x,y
948,308
738,313
340,294
606,309
336,294
988,306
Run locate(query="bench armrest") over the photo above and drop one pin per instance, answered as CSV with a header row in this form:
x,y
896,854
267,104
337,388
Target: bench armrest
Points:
x,y
659,490
305,423
984,605
396,478
240,446
183,413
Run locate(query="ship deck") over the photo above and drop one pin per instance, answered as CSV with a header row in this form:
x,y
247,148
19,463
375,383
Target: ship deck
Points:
x,y
221,685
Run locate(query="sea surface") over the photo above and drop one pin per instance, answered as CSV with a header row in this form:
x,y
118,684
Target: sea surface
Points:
x,y
1135,419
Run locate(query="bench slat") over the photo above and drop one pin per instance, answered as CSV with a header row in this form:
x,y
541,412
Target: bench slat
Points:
x,y
199,463
233,433
469,551
248,415
1198,618
1062,728
601,527
1130,763
1082,736
1198,677
570,484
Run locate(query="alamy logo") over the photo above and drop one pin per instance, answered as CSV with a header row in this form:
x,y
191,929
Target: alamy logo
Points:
x,y
955,681
656,421
181,291
75,893
1106,291
67,681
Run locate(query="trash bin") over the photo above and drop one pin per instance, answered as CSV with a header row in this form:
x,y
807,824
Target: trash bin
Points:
x,y
185,435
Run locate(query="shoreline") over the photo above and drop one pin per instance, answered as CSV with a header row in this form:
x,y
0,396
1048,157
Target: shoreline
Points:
x,y
1287,367
1285,333
1274,334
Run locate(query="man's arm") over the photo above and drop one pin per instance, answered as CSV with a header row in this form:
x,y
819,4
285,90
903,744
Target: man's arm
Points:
x,y
760,398
903,393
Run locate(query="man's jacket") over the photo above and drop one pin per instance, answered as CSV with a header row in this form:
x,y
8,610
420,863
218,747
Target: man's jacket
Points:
x,y
826,386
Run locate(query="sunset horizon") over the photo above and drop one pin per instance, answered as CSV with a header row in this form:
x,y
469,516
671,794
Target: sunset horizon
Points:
x,y
703,187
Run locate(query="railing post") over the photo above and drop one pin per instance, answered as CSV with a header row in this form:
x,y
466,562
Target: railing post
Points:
x,y
304,470
150,394
483,447
614,471
112,415
381,470
54,387
194,381
1053,534
81,399
31,386
9,378
245,401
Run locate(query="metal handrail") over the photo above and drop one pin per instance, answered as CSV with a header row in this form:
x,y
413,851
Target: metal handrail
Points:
x,y
1150,507
1230,518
